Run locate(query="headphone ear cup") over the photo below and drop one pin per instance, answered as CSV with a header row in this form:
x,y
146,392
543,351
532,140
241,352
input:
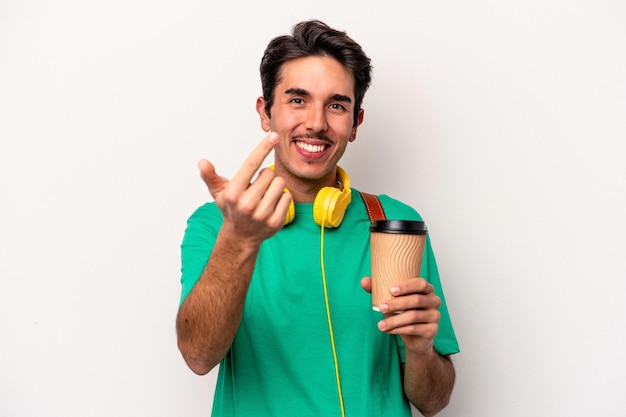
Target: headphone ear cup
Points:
x,y
330,203
330,206
323,204
291,213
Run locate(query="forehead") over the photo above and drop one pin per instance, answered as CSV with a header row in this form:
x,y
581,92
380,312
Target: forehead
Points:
x,y
317,75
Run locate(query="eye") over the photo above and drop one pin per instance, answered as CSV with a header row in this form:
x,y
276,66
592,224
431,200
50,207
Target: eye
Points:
x,y
338,106
296,100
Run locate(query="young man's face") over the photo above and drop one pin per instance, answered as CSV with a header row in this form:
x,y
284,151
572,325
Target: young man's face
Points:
x,y
313,113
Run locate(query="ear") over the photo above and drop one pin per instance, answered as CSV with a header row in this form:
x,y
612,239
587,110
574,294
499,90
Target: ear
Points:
x,y
359,120
260,109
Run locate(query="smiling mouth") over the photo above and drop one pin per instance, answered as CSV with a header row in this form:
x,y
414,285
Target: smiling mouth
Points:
x,y
311,148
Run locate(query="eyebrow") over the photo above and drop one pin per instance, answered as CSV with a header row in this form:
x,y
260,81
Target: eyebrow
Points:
x,y
302,92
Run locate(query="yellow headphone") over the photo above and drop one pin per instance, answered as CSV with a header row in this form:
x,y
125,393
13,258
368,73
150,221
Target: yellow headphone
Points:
x,y
330,203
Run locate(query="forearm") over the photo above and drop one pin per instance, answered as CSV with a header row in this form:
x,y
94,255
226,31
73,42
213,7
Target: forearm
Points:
x,y
428,381
209,317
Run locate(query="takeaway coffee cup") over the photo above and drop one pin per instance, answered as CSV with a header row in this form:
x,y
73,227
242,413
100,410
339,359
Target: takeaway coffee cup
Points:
x,y
397,247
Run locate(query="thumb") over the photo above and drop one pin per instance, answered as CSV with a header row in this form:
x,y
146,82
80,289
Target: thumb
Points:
x,y
214,182
366,283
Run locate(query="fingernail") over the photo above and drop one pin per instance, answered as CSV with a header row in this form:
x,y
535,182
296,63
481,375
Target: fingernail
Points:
x,y
382,324
383,308
273,137
394,290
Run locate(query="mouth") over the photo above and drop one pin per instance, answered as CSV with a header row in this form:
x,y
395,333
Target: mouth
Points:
x,y
311,148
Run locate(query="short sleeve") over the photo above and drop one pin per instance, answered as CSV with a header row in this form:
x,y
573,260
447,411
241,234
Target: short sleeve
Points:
x,y
198,241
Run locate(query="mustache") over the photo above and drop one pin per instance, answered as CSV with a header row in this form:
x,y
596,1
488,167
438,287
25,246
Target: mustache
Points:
x,y
313,135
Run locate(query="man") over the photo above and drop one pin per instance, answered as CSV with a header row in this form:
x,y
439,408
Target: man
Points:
x,y
283,308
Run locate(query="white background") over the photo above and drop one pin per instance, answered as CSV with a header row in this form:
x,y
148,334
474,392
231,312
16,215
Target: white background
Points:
x,y
502,122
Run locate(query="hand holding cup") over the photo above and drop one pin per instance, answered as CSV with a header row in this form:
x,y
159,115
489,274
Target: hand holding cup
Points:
x,y
397,247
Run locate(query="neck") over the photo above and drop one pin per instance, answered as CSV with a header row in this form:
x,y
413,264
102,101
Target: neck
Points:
x,y
305,191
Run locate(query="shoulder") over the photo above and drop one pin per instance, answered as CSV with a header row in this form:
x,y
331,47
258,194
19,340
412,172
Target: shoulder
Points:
x,y
206,216
206,211
396,209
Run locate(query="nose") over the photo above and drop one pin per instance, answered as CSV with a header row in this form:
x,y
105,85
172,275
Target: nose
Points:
x,y
316,119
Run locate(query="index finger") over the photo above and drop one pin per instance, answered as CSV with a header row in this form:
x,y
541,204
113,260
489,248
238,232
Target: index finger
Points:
x,y
253,162
412,286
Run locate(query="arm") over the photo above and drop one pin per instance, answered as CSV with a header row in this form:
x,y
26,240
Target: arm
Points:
x,y
413,313
208,319
428,381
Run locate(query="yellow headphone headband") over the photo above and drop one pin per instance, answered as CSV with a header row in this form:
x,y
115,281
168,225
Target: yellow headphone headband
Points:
x,y
330,203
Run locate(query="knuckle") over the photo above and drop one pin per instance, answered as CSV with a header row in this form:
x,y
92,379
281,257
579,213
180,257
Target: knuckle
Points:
x,y
431,331
416,300
436,316
276,223
416,329
279,182
247,206
437,301
229,196
414,316
267,173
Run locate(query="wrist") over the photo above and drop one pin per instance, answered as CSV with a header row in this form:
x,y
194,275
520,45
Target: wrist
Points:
x,y
425,353
241,241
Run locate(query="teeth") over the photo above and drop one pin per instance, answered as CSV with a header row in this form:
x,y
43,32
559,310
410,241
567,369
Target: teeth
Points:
x,y
310,148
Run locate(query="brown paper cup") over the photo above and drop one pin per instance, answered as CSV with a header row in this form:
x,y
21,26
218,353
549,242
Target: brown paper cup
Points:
x,y
397,247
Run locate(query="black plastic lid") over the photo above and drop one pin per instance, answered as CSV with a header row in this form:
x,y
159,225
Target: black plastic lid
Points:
x,y
411,227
